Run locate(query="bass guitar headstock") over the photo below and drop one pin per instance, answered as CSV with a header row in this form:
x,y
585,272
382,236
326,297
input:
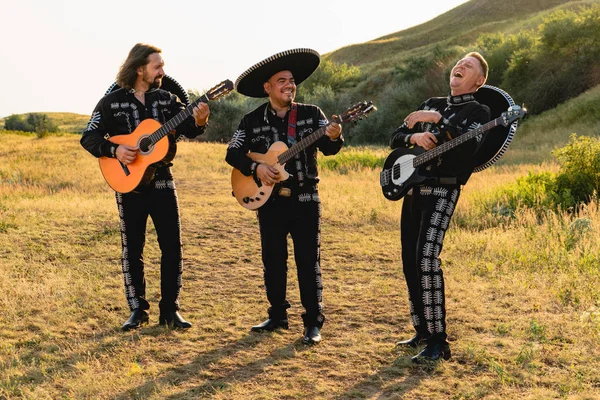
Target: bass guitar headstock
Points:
x,y
512,114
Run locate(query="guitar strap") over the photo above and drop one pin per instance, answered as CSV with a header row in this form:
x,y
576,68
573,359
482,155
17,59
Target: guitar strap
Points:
x,y
286,191
292,124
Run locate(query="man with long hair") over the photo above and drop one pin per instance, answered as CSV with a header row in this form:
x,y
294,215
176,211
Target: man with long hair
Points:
x,y
120,112
428,207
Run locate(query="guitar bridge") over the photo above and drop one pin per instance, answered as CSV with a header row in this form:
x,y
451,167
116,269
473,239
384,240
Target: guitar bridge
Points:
x,y
384,178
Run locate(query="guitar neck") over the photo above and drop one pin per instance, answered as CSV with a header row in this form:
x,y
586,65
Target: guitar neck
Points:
x,y
439,150
176,120
304,143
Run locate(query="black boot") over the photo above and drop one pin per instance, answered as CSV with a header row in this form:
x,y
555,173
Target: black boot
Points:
x,y
312,335
137,318
414,341
270,325
174,320
433,352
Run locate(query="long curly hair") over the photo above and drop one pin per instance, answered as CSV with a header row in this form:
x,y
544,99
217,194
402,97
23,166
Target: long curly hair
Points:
x,y
138,57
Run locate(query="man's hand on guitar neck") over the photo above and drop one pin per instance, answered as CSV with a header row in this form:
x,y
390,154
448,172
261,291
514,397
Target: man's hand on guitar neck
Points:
x,y
426,140
334,130
201,113
126,154
268,175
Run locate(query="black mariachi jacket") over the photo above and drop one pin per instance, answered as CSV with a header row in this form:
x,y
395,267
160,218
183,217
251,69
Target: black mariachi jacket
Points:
x,y
119,113
260,128
460,114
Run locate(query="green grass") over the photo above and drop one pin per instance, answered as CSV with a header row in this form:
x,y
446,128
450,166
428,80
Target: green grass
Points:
x,y
522,295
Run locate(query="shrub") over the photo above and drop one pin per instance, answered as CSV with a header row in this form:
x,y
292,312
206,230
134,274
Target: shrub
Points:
x,y
33,122
577,182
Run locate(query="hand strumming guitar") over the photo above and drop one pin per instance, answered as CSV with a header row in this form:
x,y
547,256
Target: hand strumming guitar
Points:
x,y
126,154
268,175
426,140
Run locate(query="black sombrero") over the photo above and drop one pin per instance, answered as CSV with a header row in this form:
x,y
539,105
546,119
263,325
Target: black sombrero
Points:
x,y
169,84
301,62
496,141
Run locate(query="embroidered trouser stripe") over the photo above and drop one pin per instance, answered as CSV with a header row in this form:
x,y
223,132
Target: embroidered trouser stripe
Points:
x,y
425,218
161,205
302,220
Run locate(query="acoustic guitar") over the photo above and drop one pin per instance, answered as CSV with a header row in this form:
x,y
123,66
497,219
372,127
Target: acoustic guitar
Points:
x,y
151,139
400,169
251,193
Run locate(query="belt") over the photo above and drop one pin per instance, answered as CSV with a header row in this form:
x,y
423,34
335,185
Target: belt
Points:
x,y
442,180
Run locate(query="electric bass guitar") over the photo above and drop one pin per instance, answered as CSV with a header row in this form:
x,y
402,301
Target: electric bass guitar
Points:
x,y
251,193
151,139
400,169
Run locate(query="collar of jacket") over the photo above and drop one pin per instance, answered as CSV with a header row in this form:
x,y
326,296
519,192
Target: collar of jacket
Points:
x,y
461,99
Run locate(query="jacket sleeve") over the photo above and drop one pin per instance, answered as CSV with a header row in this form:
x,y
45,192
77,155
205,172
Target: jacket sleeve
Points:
x,y
188,127
238,149
401,136
93,138
327,146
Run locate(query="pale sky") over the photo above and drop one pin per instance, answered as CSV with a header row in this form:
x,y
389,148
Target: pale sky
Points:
x,y
61,56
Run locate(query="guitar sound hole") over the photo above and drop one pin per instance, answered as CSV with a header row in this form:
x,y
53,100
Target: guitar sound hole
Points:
x,y
145,145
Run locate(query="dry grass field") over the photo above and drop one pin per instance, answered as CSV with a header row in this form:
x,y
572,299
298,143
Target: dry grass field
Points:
x,y
521,293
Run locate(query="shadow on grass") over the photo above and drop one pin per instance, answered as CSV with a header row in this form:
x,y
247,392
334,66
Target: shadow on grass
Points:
x,y
214,383
391,381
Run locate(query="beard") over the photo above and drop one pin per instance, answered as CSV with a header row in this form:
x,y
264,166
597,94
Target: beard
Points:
x,y
153,83
156,84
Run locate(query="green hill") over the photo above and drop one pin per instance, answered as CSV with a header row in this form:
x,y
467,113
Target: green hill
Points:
x,y
66,122
459,26
542,52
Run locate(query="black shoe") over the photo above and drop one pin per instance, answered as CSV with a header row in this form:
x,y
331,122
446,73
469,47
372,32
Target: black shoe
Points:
x,y
433,352
137,318
174,320
312,335
270,325
414,341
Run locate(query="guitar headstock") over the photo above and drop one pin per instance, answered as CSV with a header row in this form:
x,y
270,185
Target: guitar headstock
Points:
x,y
219,90
512,114
357,111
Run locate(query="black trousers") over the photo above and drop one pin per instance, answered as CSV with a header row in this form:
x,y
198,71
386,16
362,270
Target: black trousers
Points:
x,y
301,218
159,201
426,214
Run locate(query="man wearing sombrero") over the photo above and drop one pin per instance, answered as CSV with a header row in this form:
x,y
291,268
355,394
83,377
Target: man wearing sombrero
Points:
x,y
294,207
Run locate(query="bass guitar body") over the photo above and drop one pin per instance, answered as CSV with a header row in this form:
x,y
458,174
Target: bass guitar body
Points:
x,y
250,192
125,178
399,174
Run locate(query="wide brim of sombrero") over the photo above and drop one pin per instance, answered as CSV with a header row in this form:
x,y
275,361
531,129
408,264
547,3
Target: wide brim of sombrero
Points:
x,y
496,141
300,62
169,84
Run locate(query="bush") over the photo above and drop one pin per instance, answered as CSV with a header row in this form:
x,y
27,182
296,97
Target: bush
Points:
x,y
34,122
576,183
553,64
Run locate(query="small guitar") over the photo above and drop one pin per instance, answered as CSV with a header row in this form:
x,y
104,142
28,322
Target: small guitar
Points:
x,y
400,168
150,138
251,193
